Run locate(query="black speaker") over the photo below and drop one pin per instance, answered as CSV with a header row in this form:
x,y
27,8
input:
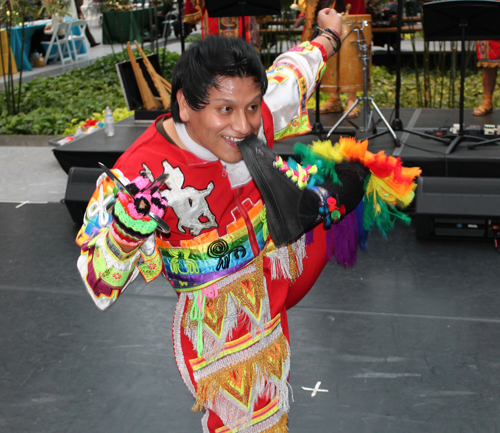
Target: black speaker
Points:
x,y
457,208
79,189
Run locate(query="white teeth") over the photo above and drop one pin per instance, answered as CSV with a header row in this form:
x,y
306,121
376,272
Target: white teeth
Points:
x,y
236,140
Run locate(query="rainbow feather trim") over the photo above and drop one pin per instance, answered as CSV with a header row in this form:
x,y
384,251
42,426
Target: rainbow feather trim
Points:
x,y
389,185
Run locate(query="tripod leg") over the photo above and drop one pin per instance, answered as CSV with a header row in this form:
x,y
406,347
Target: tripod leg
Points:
x,y
344,116
485,143
456,141
391,131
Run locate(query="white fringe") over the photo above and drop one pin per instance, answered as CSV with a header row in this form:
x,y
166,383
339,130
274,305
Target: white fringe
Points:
x,y
176,333
299,249
280,263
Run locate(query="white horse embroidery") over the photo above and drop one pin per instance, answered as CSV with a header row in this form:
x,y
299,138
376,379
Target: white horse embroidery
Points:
x,y
189,204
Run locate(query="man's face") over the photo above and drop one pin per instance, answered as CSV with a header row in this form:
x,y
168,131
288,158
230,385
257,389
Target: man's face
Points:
x,y
232,114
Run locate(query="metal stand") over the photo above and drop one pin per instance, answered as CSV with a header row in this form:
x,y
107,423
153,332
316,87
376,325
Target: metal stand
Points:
x,y
461,136
397,123
368,102
462,20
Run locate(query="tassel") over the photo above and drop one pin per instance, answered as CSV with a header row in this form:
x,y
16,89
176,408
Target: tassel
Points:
x,y
197,312
329,243
346,240
363,233
196,315
309,237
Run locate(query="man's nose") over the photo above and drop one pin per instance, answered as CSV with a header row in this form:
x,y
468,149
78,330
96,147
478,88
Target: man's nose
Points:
x,y
241,124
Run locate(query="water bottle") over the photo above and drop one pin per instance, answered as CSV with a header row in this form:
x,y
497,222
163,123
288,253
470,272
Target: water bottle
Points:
x,y
109,122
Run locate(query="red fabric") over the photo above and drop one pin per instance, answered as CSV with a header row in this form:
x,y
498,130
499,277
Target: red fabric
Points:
x,y
231,27
358,7
282,297
488,51
322,49
152,149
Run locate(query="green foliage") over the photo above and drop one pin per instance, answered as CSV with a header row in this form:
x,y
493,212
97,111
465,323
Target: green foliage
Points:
x,y
54,105
193,37
383,90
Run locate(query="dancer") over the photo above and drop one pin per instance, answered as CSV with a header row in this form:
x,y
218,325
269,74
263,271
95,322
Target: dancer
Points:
x,y
236,268
331,79
488,56
233,27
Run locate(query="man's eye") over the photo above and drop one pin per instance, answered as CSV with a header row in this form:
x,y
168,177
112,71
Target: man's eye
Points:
x,y
253,107
225,110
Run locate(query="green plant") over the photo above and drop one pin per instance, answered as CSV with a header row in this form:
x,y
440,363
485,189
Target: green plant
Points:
x,y
194,38
383,91
15,13
54,105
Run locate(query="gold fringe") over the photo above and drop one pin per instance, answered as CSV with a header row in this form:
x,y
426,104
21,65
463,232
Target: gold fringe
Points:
x,y
492,64
218,306
280,426
294,273
194,18
269,360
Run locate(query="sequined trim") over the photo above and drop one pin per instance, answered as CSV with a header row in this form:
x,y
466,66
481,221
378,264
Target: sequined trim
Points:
x,y
238,345
258,417
232,385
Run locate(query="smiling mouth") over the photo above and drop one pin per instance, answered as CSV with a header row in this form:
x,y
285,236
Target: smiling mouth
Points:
x,y
232,141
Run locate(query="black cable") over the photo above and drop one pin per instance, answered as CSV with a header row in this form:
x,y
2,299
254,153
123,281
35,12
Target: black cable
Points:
x,y
431,151
424,150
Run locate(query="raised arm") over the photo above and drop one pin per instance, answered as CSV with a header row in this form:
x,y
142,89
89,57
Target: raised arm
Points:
x,y
294,75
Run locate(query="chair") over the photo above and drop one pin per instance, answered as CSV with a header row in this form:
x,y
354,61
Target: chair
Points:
x,y
58,47
168,25
77,40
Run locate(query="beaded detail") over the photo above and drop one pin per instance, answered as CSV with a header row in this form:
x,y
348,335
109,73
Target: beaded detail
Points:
x,y
328,209
298,174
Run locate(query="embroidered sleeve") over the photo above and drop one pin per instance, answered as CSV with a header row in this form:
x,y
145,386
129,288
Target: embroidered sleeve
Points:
x,y
292,80
105,269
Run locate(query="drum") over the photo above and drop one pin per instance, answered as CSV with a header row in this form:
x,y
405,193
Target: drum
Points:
x,y
344,70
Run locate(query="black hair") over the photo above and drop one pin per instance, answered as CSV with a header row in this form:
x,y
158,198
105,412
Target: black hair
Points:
x,y
204,62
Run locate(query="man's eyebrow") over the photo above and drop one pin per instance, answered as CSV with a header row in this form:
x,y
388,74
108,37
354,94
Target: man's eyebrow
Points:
x,y
259,97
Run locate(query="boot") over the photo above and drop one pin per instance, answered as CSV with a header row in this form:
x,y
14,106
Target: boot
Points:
x,y
292,210
332,184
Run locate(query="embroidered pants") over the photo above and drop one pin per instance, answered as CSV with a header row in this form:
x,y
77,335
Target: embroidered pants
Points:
x,y
241,378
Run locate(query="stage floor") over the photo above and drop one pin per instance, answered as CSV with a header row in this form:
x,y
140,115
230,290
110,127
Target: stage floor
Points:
x,y
405,341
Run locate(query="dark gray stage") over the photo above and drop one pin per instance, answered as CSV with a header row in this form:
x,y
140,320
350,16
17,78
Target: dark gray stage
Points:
x,y
406,341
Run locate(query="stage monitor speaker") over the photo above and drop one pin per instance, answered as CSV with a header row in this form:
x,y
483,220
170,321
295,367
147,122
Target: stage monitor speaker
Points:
x,y
79,189
457,208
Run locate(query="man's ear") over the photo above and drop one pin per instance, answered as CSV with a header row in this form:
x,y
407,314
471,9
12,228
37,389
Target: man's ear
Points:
x,y
183,106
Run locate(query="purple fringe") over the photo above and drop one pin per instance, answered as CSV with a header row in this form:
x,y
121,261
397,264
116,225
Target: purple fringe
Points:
x,y
346,240
309,237
330,247
363,234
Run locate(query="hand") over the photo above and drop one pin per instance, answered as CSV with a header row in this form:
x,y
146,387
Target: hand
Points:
x,y
145,200
328,18
133,212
